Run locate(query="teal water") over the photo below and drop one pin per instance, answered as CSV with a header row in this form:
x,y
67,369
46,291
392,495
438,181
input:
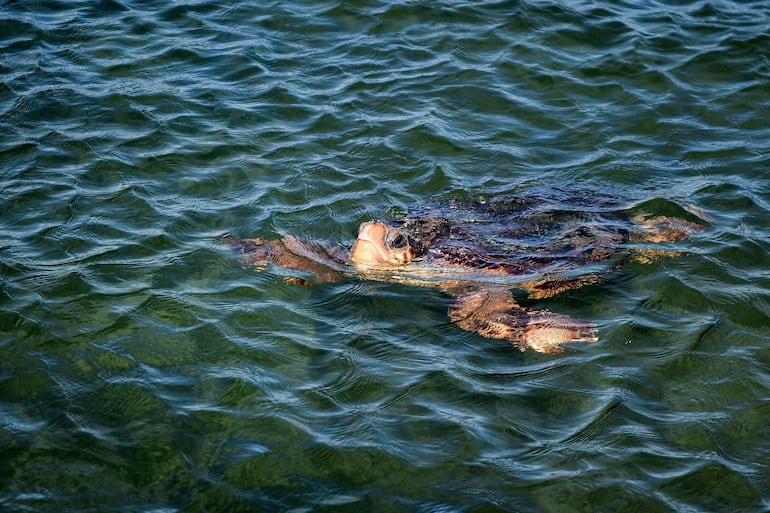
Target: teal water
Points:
x,y
142,368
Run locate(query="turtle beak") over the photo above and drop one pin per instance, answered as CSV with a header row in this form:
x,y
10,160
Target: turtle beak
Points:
x,y
370,247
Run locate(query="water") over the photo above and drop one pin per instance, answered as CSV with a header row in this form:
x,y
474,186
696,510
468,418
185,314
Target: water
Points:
x,y
143,369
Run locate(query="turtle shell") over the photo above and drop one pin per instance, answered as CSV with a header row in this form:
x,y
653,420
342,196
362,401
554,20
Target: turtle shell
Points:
x,y
516,235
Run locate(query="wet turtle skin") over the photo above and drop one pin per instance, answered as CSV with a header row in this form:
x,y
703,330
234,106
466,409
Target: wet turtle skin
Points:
x,y
479,250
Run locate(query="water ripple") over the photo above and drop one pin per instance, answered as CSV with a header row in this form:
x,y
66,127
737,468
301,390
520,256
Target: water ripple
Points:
x,y
144,368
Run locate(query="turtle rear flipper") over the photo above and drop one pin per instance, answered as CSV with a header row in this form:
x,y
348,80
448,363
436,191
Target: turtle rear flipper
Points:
x,y
659,229
493,313
663,229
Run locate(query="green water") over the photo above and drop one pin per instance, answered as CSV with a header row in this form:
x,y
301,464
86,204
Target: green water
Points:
x,y
142,368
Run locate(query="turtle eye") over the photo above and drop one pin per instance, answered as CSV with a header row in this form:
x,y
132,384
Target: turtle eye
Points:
x,y
396,240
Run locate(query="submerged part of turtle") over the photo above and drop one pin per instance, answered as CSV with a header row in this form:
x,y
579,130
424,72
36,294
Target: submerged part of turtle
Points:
x,y
479,251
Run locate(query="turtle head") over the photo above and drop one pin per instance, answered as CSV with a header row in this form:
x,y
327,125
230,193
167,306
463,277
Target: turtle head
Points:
x,y
378,243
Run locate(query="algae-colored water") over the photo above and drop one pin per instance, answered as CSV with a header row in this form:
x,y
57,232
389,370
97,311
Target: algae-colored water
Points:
x,y
142,368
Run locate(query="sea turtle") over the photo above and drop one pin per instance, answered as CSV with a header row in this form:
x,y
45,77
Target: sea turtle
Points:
x,y
480,250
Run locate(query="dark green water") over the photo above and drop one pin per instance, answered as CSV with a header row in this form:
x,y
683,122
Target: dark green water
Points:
x,y
143,369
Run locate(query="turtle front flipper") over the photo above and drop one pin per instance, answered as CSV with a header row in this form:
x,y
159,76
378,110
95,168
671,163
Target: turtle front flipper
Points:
x,y
319,259
494,314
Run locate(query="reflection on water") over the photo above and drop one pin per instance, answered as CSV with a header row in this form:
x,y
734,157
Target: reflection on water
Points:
x,y
144,368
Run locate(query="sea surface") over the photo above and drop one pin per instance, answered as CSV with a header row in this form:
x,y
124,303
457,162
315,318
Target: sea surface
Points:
x,y
143,368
